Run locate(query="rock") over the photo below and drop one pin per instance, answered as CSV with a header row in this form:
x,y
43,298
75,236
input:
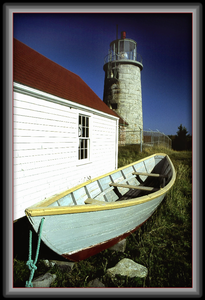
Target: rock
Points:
x,y
44,280
62,265
47,263
119,246
52,264
127,267
95,283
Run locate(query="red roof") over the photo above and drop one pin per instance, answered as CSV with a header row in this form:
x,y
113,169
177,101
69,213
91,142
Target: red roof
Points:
x,y
36,71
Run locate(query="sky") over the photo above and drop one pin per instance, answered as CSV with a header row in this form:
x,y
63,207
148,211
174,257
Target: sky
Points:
x,y
80,41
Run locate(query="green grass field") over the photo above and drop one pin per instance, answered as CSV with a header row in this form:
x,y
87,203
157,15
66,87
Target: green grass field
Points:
x,y
163,244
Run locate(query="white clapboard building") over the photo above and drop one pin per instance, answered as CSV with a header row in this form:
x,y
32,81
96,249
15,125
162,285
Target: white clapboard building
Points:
x,y
63,133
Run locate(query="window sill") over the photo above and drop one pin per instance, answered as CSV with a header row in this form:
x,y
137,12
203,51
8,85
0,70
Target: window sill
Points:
x,y
83,162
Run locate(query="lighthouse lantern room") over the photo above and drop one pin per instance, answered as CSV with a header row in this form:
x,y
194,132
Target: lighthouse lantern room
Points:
x,y
122,86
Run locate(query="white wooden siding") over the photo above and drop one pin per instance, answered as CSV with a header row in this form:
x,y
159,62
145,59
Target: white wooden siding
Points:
x,y
45,151
104,142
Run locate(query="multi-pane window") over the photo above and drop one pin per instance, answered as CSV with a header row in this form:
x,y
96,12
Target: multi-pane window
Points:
x,y
84,139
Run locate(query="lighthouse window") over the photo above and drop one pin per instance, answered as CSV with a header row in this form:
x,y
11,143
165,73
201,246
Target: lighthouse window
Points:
x,y
121,46
83,134
114,105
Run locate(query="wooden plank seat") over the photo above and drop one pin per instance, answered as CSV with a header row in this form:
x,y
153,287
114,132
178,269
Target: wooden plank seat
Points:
x,y
149,174
136,187
130,194
94,201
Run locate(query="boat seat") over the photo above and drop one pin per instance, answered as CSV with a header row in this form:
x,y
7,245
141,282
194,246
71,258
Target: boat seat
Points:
x,y
136,187
149,174
94,201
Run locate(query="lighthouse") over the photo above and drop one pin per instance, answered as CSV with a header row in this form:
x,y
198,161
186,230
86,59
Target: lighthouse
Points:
x,y
122,87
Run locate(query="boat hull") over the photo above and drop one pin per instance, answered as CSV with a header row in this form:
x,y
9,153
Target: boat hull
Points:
x,y
86,253
78,236
97,214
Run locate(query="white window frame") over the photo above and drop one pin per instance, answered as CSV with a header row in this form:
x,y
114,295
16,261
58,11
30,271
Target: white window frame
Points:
x,y
84,134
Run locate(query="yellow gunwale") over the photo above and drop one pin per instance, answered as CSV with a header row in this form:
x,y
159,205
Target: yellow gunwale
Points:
x,y
42,209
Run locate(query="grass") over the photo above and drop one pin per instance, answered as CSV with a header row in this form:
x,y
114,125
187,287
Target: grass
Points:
x,y
163,244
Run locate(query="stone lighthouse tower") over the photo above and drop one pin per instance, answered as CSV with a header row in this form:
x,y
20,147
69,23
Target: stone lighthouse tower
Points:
x,y
122,87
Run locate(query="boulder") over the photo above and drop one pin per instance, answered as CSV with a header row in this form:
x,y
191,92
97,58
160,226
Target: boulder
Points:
x,y
127,267
119,246
44,280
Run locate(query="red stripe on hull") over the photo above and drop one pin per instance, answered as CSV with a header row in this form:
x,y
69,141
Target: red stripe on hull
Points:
x,y
85,253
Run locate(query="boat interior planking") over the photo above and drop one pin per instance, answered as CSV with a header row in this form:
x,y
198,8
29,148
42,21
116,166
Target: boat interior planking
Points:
x,y
101,188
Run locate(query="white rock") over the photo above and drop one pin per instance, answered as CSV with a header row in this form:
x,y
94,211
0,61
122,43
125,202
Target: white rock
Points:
x,y
46,262
44,280
63,265
127,267
52,264
119,246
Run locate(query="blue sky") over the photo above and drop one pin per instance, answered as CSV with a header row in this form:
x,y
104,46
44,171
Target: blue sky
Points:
x,y
80,41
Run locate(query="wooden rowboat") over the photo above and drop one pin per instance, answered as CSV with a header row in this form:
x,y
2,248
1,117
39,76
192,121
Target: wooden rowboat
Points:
x,y
97,214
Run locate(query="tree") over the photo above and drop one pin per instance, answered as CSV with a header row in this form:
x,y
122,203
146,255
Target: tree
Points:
x,y
182,140
182,132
